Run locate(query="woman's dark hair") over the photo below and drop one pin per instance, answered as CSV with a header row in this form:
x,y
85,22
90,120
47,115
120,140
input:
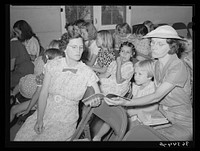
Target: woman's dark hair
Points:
x,y
27,32
64,40
174,46
129,44
141,29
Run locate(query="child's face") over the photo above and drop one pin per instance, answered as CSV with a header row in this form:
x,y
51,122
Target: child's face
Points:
x,y
84,33
77,30
126,53
70,28
122,33
99,41
141,76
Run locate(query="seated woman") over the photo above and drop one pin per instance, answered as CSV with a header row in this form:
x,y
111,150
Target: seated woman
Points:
x,y
65,82
30,85
26,35
173,87
21,64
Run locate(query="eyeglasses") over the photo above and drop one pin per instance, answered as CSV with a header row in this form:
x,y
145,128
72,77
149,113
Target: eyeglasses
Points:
x,y
159,43
76,47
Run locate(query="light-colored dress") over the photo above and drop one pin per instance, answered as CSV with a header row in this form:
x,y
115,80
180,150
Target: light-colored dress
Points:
x,y
66,89
32,46
110,85
176,105
142,113
138,92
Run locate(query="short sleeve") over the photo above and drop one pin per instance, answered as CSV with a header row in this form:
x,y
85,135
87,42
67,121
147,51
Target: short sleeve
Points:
x,y
127,71
33,47
177,74
92,78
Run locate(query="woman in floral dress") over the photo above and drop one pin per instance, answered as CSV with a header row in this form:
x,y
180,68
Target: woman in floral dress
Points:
x,y
64,85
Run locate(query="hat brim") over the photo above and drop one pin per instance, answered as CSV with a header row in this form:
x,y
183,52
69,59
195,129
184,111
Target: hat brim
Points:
x,y
162,36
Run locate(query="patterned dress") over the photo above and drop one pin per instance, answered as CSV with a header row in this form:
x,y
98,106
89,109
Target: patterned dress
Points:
x,y
110,85
105,57
66,89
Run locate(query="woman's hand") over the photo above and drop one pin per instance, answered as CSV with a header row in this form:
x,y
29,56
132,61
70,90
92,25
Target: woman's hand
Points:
x,y
39,127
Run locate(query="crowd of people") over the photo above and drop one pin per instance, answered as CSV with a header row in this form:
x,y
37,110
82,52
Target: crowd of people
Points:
x,y
151,66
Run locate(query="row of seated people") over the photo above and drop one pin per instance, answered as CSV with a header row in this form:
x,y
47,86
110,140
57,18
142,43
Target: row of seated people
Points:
x,y
99,63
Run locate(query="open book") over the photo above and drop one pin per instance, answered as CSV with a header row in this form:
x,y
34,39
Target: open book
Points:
x,y
157,120
87,100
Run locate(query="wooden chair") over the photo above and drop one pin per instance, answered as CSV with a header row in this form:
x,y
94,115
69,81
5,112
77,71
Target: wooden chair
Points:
x,y
189,28
181,29
143,133
115,116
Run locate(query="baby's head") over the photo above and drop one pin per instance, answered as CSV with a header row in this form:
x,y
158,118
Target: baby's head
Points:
x,y
144,71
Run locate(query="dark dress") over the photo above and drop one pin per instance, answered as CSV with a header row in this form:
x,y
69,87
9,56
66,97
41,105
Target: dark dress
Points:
x,y
23,64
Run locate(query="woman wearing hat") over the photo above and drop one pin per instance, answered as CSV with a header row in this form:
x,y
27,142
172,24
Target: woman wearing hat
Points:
x,y
173,88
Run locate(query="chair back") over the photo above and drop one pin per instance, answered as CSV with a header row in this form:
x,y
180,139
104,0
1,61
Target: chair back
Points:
x,y
134,28
143,133
160,24
116,117
190,30
181,29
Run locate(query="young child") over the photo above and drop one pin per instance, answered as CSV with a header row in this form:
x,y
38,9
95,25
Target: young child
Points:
x,y
30,85
69,27
124,35
117,78
149,25
144,85
89,34
142,46
77,25
105,55
116,37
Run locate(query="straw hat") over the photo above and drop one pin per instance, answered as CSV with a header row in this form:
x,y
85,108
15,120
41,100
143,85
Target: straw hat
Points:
x,y
164,31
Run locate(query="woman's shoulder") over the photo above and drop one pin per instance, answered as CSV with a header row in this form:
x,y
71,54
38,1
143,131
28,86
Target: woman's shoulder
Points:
x,y
55,63
84,69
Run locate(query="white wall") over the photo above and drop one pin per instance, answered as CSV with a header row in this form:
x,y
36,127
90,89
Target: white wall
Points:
x,y
44,20
161,14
